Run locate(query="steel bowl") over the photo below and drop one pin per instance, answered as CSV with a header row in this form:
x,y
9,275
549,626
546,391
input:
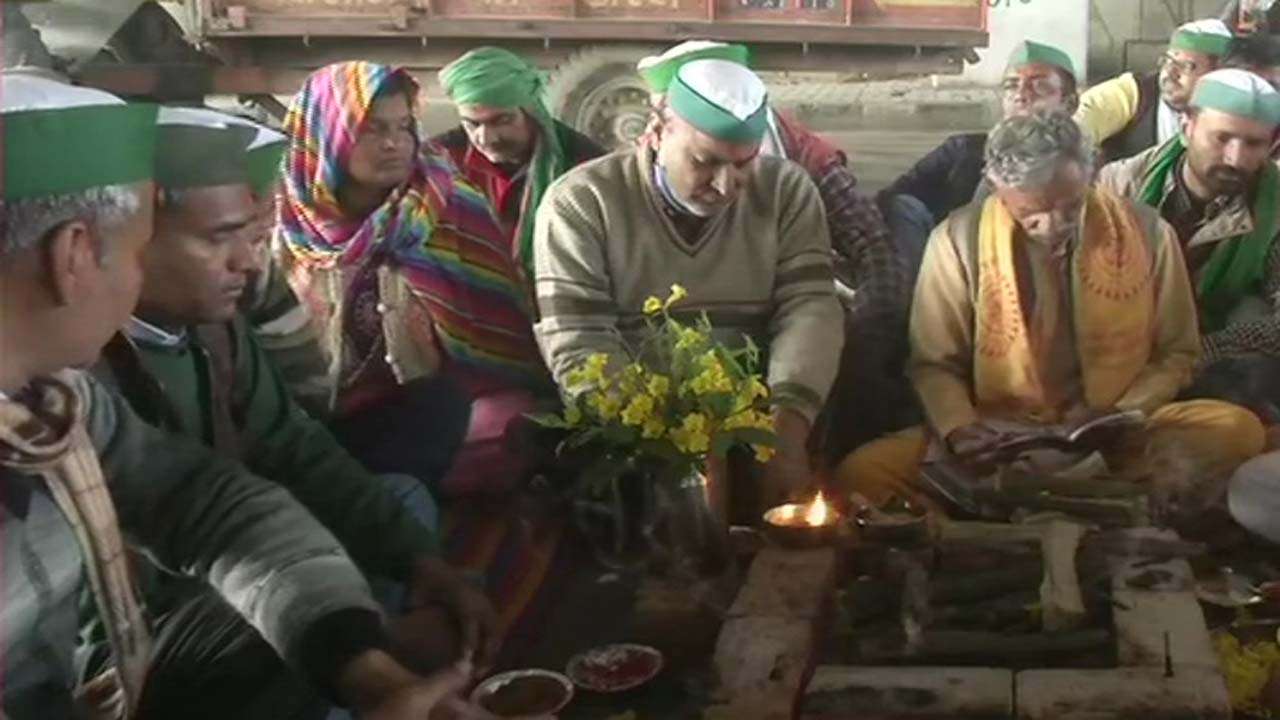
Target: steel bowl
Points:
x,y
784,528
487,691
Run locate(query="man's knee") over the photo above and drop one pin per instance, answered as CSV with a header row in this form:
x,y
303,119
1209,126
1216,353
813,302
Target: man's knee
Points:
x,y
883,468
1221,433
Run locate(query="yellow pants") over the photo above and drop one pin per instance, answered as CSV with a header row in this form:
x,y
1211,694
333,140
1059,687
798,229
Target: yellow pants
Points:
x,y
1218,435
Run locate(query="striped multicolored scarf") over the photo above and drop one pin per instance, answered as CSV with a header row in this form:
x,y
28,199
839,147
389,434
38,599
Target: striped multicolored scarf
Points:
x,y
437,230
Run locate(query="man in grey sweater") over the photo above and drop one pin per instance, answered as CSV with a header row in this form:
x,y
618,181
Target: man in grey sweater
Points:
x,y
697,206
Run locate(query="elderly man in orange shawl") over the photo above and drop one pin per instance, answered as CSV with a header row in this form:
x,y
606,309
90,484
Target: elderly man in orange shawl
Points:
x,y
1051,302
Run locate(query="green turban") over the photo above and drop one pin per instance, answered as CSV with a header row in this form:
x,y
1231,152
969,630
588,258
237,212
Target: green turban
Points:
x,y
494,77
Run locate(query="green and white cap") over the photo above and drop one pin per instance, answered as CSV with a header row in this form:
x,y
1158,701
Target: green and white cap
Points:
x,y
1210,37
265,154
658,71
722,99
1029,52
61,139
201,148
1240,93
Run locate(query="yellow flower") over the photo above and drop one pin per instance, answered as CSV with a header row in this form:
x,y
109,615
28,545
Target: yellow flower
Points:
x,y
764,453
659,385
631,381
692,436
652,306
763,420
653,428
713,378
589,373
606,405
637,411
678,293
755,389
688,338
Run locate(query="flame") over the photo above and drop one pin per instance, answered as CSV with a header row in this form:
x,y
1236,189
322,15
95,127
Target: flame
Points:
x,y
816,514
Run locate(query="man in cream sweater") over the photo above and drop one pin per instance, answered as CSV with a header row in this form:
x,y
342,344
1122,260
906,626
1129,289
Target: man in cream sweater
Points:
x,y
699,207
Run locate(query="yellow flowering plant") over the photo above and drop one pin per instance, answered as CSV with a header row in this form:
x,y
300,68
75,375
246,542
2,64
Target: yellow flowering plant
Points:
x,y
679,396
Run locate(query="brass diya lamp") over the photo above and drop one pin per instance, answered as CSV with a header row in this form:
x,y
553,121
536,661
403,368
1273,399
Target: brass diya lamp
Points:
x,y
802,525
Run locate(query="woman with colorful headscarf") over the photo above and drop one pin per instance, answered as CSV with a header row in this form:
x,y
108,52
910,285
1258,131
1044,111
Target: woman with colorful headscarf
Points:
x,y
427,331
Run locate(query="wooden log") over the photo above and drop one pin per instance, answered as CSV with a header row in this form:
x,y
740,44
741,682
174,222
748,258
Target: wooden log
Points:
x,y
954,588
1104,511
868,599
1022,483
1020,608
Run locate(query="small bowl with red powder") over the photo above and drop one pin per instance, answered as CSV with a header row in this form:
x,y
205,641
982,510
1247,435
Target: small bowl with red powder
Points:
x,y
615,668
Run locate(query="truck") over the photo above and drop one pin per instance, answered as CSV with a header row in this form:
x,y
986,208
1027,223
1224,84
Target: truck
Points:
x,y
264,48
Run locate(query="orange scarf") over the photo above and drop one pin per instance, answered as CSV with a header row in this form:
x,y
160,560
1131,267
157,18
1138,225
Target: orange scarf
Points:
x,y
1113,302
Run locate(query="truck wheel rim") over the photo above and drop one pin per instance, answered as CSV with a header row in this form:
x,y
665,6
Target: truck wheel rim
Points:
x,y
616,112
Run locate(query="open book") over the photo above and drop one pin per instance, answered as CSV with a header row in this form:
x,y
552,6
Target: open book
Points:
x,y
1023,436
947,480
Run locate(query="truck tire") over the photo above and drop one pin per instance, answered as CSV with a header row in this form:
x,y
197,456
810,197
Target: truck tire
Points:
x,y
599,94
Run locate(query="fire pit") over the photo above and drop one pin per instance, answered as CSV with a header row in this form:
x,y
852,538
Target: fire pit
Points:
x,y
1033,622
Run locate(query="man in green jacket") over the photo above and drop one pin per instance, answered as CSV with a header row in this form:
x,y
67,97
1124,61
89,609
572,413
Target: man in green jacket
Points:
x,y
188,363
281,324
1221,193
79,472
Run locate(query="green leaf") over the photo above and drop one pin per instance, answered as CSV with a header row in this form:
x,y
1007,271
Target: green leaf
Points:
x,y
755,436
619,435
720,404
585,437
549,420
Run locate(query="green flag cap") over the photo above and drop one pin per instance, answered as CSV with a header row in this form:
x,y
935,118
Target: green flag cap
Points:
x,y
61,139
722,99
658,71
1028,52
1240,93
494,77
265,155
264,166
1210,37
200,148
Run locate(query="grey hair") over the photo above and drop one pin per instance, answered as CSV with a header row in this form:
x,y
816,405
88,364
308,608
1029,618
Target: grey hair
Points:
x,y
27,221
1025,151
